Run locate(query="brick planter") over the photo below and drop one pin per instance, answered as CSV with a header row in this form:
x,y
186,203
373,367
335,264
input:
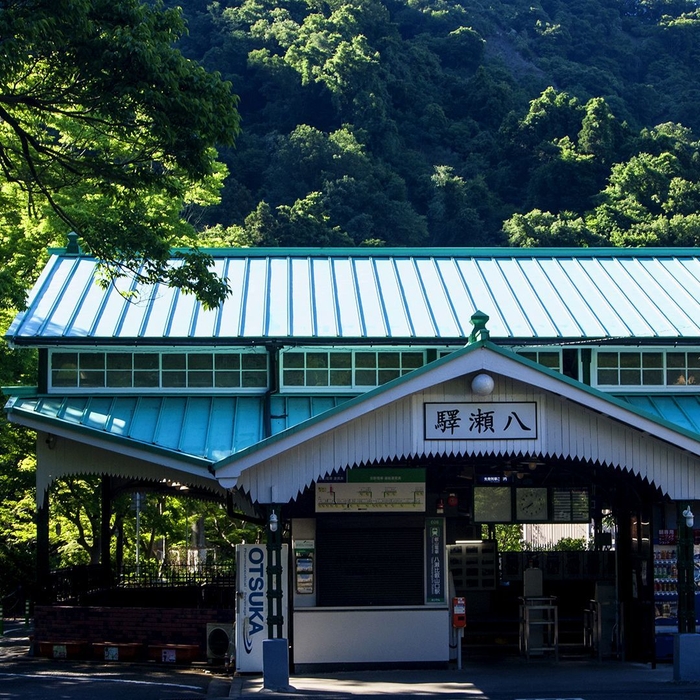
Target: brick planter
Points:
x,y
79,628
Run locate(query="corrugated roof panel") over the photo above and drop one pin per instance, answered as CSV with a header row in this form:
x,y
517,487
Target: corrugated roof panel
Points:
x,y
438,317
255,299
664,314
472,272
72,412
135,313
568,306
182,315
679,287
627,297
323,300
97,412
171,422
248,423
347,300
617,293
287,411
108,323
195,425
205,427
231,314
377,294
146,417
371,307
529,303
86,305
40,290
460,294
392,300
158,312
66,302
206,321
122,415
506,291
220,433
415,308
202,426
680,410
552,318
597,303
277,299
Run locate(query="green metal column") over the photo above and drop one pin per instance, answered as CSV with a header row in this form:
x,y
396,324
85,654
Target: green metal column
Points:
x,y
275,617
686,574
43,567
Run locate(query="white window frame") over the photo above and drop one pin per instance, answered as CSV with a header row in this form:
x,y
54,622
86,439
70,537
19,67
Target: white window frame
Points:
x,y
538,350
160,353
664,387
352,388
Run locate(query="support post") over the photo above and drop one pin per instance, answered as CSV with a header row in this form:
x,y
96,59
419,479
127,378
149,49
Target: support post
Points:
x,y
275,648
686,576
106,530
275,614
43,568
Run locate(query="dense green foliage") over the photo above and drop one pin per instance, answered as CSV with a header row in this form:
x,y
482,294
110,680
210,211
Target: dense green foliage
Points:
x,y
408,122
105,129
363,122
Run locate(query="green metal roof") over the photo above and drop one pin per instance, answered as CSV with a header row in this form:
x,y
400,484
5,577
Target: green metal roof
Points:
x,y
680,410
200,427
369,295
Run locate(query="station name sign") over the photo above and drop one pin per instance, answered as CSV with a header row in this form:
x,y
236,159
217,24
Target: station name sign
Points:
x,y
505,420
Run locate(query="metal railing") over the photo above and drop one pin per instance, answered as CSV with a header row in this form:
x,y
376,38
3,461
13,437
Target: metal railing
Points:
x,y
73,582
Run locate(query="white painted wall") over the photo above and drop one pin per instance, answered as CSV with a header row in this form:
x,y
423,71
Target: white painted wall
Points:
x,y
371,635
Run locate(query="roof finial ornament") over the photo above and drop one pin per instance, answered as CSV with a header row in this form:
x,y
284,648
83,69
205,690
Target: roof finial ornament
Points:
x,y
479,320
73,248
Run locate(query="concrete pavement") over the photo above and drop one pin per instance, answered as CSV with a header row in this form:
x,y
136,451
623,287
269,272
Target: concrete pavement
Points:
x,y
483,678
495,679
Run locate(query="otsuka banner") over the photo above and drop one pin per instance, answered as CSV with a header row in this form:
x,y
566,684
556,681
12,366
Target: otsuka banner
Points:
x,y
252,604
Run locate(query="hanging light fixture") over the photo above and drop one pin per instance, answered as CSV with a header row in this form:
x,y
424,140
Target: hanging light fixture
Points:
x,y
689,517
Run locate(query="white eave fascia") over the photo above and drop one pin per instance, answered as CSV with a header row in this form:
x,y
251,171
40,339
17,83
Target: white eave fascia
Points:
x,y
484,359
159,457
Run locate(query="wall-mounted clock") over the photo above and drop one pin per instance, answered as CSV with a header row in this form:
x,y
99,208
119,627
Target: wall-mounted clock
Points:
x,y
531,504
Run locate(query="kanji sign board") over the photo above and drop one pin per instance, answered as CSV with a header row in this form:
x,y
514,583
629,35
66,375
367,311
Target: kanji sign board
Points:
x,y
481,421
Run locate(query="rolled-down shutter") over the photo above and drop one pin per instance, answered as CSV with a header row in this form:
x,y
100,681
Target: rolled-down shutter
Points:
x,y
370,560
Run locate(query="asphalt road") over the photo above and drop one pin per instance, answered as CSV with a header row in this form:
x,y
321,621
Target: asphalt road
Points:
x,y
23,677
29,678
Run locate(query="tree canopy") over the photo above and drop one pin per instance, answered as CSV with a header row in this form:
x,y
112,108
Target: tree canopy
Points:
x,y
105,129
360,122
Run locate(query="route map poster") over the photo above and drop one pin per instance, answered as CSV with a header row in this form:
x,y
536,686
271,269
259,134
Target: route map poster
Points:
x,y
373,491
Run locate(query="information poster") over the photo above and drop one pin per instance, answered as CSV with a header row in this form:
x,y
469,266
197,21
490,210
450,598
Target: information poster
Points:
x,y
435,560
374,491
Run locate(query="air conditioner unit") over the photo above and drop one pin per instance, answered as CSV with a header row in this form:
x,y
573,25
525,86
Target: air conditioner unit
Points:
x,y
220,642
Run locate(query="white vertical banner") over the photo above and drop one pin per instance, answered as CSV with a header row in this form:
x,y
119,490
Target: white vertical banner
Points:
x,y
252,604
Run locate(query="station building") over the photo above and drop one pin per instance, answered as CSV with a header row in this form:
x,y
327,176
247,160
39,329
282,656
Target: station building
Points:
x,y
388,409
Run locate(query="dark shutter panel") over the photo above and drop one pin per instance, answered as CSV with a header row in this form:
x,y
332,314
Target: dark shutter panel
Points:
x,y
368,560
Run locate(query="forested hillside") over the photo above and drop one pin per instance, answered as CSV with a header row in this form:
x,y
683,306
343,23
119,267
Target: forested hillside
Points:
x,y
357,122
433,122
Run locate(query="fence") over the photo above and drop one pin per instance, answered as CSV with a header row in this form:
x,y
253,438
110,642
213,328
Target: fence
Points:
x,y
73,582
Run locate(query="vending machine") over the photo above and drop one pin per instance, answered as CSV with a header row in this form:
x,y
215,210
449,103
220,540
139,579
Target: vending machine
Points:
x,y
252,604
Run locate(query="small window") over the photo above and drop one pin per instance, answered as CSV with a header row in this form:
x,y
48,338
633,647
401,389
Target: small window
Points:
x,y
547,358
121,370
355,370
641,368
64,369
